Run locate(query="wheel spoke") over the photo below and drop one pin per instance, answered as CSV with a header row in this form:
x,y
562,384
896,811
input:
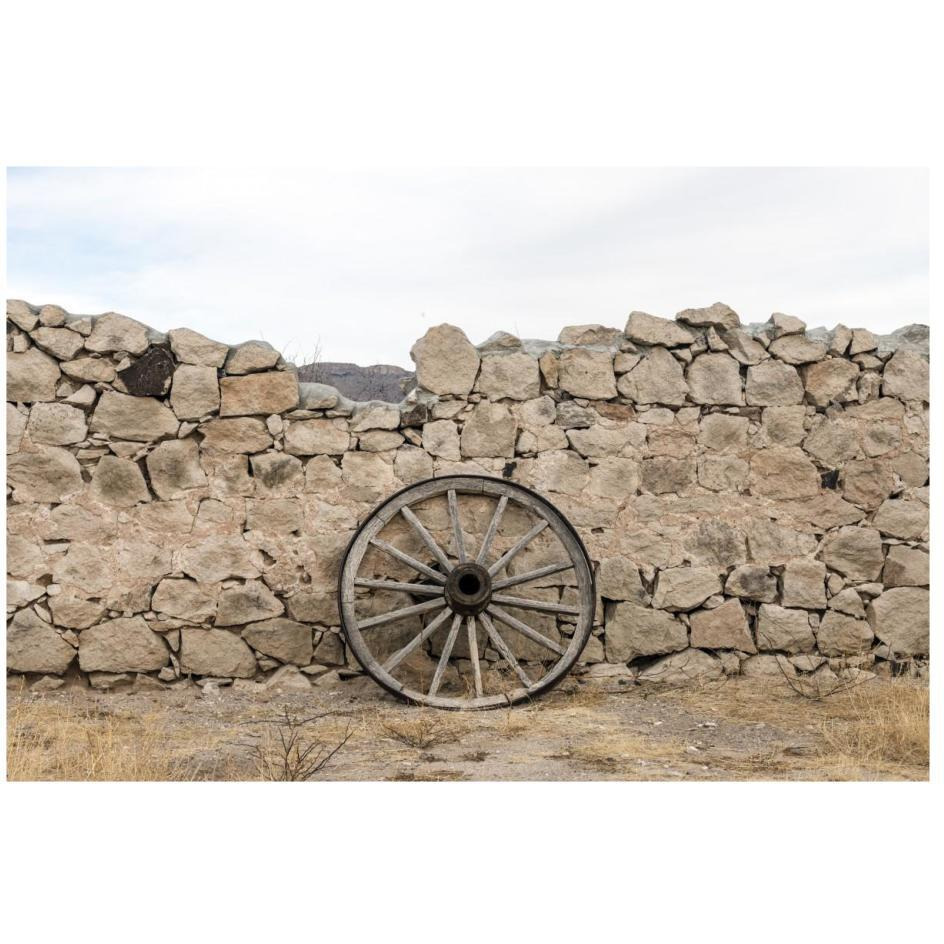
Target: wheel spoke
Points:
x,y
409,561
399,614
523,604
456,525
532,575
416,641
420,589
513,552
474,655
492,528
426,538
502,647
444,656
525,630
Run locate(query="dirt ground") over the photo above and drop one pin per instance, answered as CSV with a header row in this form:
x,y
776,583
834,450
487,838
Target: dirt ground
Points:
x,y
738,729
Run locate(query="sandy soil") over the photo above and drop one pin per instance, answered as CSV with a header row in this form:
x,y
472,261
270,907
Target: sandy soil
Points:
x,y
733,730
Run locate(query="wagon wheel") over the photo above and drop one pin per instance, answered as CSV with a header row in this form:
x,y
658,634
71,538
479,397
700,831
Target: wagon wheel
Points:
x,y
466,592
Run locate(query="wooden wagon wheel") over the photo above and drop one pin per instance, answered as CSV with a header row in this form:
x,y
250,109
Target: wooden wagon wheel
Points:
x,y
466,592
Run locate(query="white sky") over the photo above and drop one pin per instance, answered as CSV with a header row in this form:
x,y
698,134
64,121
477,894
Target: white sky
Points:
x,y
362,263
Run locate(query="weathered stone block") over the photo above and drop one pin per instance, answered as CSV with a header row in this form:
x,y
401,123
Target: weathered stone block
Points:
x,y
633,631
122,645
586,373
255,394
446,362
512,376
724,627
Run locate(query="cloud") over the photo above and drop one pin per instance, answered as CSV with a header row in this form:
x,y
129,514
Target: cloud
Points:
x,y
362,263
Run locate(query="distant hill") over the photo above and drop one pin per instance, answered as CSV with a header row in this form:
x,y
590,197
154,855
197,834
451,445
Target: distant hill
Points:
x,y
379,382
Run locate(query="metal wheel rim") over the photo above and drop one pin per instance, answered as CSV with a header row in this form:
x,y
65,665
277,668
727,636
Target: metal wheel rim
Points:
x,y
504,493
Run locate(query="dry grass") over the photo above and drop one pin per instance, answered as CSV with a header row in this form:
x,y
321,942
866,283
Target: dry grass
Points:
x,y
882,725
54,741
423,729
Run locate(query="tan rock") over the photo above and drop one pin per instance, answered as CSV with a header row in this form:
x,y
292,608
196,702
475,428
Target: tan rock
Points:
x,y
613,477
243,434
715,378
906,376
804,584
446,362
841,635
648,329
35,646
513,376
831,381
854,552
72,611
56,424
906,567
724,627
773,383
245,604
22,314
783,629
189,347
661,475
251,357
141,419
376,417
195,392
316,437
784,425
601,441
277,475
491,430
797,349
185,599
590,334
717,315
367,476
586,373
618,579
113,332
31,376
274,515
213,559
723,432
90,369
752,582
782,324
379,440
633,631
901,619
215,652
561,471
122,645
174,468
849,602
254,394
60,342
118,483
902,518
723,473
684,588
282,639
657,378
16,427
48,474
717,544
683,668
783,472
441,438
867,482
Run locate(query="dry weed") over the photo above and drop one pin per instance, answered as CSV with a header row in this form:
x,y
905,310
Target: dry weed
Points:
x,y
886,724
53,741
423,729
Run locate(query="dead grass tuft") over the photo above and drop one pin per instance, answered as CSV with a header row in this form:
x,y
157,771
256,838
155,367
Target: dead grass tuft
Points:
x,y
53,741
886,724
424,729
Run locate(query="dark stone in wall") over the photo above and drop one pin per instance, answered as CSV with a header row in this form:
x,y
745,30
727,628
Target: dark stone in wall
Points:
x,y
150,374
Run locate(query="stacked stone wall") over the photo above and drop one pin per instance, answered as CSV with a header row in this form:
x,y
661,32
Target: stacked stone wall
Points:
x,y
754,498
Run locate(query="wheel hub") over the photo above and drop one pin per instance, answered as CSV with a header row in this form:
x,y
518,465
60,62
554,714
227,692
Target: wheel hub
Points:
x,y
469,589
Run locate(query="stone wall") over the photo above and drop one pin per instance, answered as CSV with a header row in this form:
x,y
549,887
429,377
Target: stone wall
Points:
x,y
755,499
